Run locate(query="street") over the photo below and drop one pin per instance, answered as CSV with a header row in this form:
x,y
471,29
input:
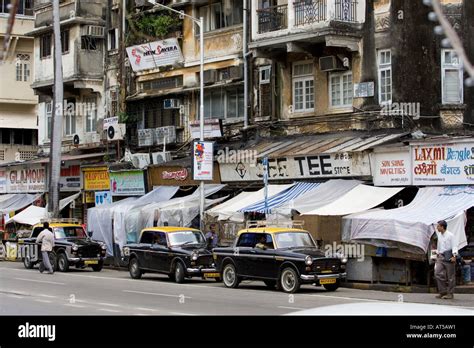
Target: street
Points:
x,y
112,292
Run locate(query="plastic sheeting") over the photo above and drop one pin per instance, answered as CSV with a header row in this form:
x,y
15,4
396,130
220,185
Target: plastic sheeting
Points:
x,y
30,216
229,210
413,224
360,198
17,202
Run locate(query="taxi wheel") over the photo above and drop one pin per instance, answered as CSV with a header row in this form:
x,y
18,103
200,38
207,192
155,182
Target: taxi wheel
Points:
x,y
229,276
134,269
63,263
27,263
331,287
289,281
179,272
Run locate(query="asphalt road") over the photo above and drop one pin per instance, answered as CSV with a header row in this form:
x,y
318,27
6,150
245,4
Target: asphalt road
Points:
x,y
111,292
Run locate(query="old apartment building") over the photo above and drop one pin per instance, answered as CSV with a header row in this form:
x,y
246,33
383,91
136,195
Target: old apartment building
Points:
x,y
18,129
333,65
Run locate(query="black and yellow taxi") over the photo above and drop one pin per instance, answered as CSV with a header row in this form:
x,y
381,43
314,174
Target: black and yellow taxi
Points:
x,y
179,252
284,258
72,247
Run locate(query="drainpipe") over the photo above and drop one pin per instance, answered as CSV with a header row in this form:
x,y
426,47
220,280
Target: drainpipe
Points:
x,y
246,68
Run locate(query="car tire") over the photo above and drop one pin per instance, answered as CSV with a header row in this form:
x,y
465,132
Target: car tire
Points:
x,y
63,263
98,267
332,287
134,269
179,273
229,276
27,263
289,280
270,284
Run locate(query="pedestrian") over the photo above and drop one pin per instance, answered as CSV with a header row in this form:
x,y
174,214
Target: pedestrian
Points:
x,y
445,266
211,236
46,238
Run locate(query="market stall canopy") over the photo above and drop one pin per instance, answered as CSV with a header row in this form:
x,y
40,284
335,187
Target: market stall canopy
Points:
x,y
229,210
30,216
17,201
412,224
359,199
284,197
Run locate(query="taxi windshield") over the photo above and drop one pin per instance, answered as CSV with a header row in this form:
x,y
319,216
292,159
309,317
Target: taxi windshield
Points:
x,y
294,240
186,237
69,232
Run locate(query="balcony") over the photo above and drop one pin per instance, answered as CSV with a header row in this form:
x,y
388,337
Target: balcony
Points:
x,y
272,18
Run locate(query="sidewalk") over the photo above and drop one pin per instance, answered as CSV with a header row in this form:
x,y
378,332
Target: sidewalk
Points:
x,y
460,289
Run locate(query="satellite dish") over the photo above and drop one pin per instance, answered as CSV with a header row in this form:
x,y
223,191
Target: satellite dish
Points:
x,y
111,132
76,139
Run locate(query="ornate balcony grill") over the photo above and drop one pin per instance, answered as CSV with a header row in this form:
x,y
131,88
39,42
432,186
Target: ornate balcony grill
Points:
x,y
272,18
310,11
346,10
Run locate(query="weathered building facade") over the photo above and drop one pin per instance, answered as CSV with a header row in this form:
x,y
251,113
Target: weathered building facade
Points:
x,y
18,130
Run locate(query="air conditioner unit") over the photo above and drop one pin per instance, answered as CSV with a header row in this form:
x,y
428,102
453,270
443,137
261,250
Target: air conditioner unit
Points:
x,y
94,31
210,76
236,72
330,63
76,139
161,157
171,104
140,160
116,132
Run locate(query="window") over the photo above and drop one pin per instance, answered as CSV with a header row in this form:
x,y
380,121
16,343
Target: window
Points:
x,y
147,237
45,46
23,67
49,115
247,240
65,41
5,132
303,87
90,108
90,43
265,74
340,89
221,14
69,117
25,7
384,63
451,78
160,239
112,39
224,104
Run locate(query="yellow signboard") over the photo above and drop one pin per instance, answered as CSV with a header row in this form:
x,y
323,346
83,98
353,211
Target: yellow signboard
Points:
x,y
89,197
96,179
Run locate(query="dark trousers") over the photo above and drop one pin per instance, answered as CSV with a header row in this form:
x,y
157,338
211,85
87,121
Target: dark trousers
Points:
x,y
445,274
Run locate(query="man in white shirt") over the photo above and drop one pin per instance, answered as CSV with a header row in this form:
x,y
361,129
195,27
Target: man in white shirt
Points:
x,y
46,238
445,266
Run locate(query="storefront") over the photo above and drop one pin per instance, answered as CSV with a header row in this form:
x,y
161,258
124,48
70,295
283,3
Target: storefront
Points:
x,y
96,186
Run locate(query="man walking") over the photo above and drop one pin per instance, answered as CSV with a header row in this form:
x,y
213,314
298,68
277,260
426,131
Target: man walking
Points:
x,y
445,266
211,236
46,238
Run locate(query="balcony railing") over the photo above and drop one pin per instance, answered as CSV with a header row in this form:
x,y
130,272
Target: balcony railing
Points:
x,y
315,11
272,18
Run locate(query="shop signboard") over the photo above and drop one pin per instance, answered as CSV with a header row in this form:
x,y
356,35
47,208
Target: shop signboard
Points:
x,y
102,197
203,160
71,178
96,179
354,164
3,180
154,54
127,183
391,168
26,179
443,164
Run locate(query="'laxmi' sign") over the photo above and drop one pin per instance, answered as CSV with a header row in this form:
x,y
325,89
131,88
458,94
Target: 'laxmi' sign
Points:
x,y
154,54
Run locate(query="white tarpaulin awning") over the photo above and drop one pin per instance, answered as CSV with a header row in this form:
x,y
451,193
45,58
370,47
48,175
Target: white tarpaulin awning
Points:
x,y
18,201
359,199
414,223
30,216
229,210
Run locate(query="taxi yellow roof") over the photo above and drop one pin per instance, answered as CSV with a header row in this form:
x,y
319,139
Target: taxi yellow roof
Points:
x,y
168,229
270,230
59,225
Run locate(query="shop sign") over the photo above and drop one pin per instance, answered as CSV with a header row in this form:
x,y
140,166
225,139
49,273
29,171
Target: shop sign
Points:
x,y
212,128
102,197
71,179
89,197
3,181
300,167
154,54
179,175
96,179
203,160
127,183
391,168
443,164
26,179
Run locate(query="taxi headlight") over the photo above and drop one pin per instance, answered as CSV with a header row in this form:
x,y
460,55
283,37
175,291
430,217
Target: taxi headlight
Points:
x,y
308,260
194,256
75,248
126,251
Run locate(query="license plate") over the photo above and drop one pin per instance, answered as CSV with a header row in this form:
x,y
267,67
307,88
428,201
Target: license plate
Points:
x,y
327,281
91,262
211,275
